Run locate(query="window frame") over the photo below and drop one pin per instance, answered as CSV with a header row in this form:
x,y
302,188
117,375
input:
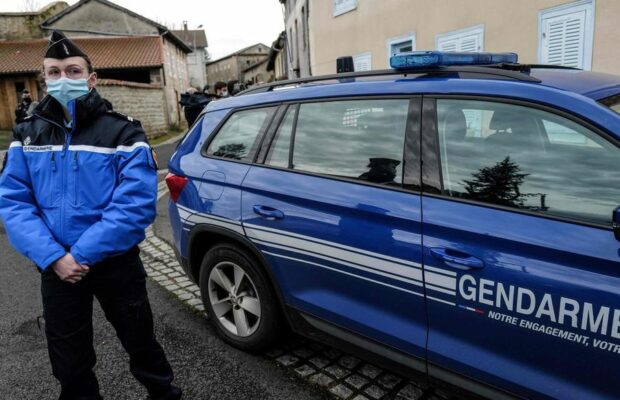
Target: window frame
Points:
x,y
589,6
432,179
270,138
255,150
411,175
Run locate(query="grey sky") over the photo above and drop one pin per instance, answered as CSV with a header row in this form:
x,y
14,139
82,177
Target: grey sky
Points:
x,y
230,24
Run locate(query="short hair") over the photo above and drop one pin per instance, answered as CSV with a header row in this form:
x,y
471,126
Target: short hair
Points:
x,y
219,85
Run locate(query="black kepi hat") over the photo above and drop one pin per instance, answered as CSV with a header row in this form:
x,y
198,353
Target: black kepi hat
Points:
x,y
61,47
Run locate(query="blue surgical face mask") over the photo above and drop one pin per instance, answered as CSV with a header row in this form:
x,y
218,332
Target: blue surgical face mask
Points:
x,y
64,89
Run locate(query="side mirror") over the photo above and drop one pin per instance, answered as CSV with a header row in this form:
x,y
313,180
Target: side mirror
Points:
x,y
616,223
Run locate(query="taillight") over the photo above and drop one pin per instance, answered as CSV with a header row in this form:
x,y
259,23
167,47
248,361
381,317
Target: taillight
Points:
x,y
175,184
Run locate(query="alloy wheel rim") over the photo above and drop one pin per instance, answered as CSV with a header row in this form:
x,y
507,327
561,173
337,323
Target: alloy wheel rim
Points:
x,y
234,299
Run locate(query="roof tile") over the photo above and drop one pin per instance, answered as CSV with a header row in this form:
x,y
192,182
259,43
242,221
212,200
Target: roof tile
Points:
x,y
105,53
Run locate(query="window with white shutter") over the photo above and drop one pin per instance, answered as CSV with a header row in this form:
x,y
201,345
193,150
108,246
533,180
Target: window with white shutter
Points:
x,y
362,62
566,35
468,39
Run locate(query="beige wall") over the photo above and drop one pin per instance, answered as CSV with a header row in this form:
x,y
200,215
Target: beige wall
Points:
x,y
509,25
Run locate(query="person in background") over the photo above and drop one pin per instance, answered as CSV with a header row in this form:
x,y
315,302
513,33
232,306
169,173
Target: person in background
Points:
x,y
221,90
21,112
193,102
77,192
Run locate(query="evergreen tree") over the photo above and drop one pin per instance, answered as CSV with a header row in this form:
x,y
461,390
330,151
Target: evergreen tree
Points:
x,y
498,184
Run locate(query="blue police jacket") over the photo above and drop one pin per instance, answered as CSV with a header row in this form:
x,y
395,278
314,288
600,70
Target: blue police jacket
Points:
x,y
90,190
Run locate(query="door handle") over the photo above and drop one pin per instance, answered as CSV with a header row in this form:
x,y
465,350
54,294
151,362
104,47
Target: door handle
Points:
x,y
457,259
268,212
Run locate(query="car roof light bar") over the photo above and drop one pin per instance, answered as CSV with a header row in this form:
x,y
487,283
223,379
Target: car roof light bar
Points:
x,y
498,71
425,59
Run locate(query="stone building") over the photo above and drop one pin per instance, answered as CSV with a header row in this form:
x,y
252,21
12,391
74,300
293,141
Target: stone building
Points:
x,y
26,25
257,73
560,32
137,59
232,66
195,39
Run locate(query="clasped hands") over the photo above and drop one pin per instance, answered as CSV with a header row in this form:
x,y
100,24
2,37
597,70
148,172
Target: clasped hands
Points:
x,y
69,270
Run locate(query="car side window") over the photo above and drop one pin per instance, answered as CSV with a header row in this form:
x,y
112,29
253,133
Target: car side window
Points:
x,y
279,150
238,137
515,156
361,139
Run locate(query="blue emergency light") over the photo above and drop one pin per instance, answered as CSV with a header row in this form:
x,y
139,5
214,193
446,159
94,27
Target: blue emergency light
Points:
x,y
418,59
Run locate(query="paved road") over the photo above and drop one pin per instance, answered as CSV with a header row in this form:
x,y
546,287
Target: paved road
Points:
x,y
164,152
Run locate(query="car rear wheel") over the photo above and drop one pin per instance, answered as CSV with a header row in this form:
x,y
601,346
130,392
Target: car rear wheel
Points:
x,y
238,297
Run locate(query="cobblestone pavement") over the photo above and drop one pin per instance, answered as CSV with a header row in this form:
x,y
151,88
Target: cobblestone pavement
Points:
x,y
344,375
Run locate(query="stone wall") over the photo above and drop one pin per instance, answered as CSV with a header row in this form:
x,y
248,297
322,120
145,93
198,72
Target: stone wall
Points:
x,y
176,79
25,25
144,102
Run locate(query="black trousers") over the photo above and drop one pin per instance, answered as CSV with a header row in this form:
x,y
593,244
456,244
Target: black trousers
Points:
x,y
119,285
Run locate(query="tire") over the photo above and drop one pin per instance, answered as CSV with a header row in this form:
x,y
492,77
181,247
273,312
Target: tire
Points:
x,y
247,317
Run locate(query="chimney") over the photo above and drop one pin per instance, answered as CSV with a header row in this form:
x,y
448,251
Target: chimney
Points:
x,y
184,25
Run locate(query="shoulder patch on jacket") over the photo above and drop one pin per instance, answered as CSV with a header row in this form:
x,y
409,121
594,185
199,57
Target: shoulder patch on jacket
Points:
x,y
124,117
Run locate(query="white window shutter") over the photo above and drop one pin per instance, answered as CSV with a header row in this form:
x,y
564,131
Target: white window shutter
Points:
x,y
563,40
469,43
448,45
567,35
469,39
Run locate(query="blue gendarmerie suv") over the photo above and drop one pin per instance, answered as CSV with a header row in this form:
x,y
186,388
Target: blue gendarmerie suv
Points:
x,y
455,218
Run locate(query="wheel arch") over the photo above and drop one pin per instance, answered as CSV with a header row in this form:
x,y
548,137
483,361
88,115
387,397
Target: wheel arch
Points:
x,y
210,235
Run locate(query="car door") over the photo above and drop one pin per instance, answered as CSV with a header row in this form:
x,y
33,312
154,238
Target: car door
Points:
x,y
341,230
517,209
229,141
